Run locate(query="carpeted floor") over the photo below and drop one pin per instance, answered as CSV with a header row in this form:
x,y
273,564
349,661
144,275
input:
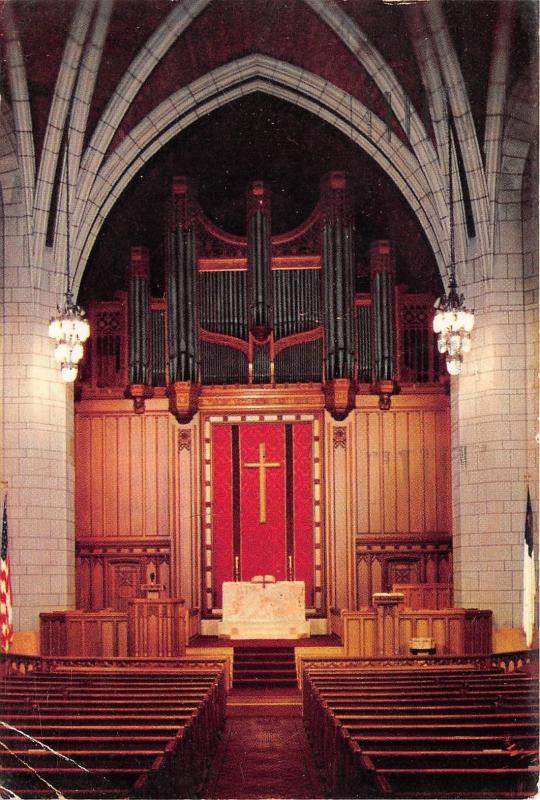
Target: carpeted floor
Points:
x,y
264,752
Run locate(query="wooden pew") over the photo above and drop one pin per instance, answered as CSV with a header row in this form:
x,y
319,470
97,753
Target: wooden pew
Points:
x,y
379,734
136,734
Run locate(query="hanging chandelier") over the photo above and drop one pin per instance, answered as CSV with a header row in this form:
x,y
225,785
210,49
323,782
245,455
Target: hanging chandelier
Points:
x,y
452,321
69,328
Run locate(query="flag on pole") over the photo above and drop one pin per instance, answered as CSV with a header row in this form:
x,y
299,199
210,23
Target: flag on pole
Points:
x,y
529,582
6,613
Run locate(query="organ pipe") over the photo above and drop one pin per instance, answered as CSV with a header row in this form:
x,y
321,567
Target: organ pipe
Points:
x,y
223,304
338,262
383,267
181,268
158,348
259,259
364,343
139,316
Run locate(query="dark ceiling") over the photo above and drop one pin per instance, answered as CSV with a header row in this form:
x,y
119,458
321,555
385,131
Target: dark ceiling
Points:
x,y
257,137
260,137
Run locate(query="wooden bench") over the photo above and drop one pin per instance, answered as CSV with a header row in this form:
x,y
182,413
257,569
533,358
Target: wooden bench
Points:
x,y
113,734
380,734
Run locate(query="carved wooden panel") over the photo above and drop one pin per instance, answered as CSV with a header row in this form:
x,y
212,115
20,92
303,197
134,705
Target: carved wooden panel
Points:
x,y
402,571
403,469
425,595
125,583
75,633
122,474
111,573
386,561
388,631
157,628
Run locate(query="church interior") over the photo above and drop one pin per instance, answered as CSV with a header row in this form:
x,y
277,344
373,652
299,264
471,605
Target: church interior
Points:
x,y
270,398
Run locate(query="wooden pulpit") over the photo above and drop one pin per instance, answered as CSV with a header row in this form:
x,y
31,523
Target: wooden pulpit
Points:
x,y
387,606
156,628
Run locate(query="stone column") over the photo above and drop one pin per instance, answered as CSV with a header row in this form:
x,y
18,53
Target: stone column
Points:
x,y
37,443
490,443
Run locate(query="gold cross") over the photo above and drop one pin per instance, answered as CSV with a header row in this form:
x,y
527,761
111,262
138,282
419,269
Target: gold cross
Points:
x,y
262,465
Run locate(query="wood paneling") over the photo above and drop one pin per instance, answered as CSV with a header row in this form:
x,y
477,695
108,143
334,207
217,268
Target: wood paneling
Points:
x,y
403,470
425,595
148,629
101,634
111,572
122,474
157,628
386,561
388,631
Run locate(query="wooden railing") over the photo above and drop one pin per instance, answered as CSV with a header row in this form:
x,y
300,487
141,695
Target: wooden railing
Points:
x,y
149,628
518,661
13,664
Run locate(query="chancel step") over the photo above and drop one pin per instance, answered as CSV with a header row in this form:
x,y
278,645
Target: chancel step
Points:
x,y
264,667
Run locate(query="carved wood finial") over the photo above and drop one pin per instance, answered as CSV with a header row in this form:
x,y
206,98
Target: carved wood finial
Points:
x,y
183,400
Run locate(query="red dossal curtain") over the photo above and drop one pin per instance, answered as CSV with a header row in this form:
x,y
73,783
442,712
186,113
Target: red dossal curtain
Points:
x,y
263,544
222,509
262,547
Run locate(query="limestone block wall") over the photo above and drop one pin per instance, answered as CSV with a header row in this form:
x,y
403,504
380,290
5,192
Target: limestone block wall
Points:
x,y
530,303
37,439
492,436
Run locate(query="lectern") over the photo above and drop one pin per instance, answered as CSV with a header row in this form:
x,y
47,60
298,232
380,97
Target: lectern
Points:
x,y
156,628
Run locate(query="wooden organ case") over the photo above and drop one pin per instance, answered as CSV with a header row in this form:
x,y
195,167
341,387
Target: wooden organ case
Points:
x,y
269,330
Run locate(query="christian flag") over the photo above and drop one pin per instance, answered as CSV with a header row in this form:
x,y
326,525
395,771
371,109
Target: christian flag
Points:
x,y
529,582
6,614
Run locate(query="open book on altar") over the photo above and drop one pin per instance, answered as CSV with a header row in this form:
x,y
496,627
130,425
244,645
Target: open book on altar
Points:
x,y
263,579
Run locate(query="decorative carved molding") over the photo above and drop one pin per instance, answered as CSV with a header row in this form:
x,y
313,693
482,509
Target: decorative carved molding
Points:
x,y
139,394
340,437
381,542
123,547
339,395
385,390
184,440
183,400
300,397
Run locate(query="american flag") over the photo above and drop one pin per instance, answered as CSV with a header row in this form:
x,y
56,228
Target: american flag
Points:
x,y
6,614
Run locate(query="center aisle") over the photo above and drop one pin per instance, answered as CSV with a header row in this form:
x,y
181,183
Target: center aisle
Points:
x,y
264,752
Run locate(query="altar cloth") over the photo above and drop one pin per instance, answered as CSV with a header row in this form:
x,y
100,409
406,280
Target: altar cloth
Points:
x,y
264,611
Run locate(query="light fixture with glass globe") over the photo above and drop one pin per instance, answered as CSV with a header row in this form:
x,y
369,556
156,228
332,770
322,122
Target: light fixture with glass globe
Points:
x,y
69,327
452,321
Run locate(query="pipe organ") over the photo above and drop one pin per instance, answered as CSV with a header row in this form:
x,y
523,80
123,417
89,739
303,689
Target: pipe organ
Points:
x,y
181,396
262,309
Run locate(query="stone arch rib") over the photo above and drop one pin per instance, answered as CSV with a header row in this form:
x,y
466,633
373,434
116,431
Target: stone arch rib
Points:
x,y
179,18
221,86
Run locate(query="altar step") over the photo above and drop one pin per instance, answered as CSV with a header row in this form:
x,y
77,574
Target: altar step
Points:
x,y
265,667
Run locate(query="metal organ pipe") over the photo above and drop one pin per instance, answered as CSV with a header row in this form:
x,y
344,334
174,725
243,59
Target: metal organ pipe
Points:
x,y
338,262
139,316
259,259
181,286
382,293
158,348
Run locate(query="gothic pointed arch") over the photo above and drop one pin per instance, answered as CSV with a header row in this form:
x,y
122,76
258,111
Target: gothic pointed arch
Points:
x,y
258,73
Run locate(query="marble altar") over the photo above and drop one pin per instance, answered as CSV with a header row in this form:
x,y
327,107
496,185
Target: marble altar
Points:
x,y
264,610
